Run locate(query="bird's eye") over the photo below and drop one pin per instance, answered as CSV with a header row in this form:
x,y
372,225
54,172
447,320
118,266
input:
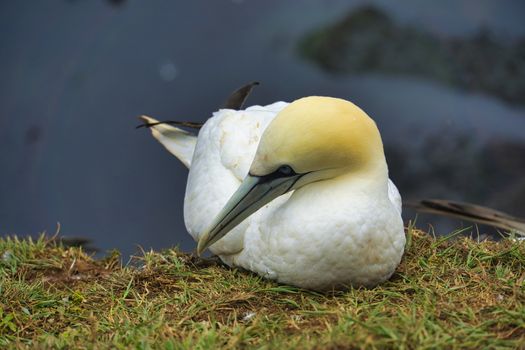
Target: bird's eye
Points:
x,y
285,170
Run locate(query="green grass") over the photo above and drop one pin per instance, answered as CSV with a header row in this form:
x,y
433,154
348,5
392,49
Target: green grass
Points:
x,y
447,293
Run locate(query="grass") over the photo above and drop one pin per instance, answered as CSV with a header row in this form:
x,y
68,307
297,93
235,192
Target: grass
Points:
x,y
451,293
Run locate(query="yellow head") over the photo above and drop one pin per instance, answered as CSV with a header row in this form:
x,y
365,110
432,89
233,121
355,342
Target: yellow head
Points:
x,y
319,134
312,139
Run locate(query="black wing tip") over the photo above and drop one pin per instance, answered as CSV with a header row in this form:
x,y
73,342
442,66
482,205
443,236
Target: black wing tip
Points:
x,y
238,97
235,101
468,211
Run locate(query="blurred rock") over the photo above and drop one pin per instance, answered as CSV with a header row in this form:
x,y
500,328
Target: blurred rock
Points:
x,y
456,167
367,40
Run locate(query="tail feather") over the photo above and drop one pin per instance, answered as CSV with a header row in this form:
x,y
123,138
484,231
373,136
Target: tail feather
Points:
x,y
178,142
470,212
192,125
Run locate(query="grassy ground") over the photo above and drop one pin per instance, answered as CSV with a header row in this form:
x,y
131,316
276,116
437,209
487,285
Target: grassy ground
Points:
x,y
454,293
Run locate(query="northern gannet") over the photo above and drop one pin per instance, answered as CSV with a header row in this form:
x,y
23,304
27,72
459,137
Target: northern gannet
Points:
x,y
296,192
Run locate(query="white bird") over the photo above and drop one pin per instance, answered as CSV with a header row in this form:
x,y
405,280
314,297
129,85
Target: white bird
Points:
x,y
298,193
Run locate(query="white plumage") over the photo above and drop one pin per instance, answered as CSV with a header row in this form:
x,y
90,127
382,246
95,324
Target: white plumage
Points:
x,y
339,231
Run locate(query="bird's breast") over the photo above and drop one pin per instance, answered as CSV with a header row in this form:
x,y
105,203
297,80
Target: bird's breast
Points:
x,y
322,237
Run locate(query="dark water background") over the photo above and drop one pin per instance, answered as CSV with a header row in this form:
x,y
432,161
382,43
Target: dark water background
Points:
x,y
75,74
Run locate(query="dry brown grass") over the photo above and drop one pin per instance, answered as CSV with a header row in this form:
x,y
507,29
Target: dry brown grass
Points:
x,y
455,293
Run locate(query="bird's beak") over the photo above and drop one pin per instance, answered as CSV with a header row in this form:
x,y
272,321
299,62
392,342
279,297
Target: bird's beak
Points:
x,y
254,192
